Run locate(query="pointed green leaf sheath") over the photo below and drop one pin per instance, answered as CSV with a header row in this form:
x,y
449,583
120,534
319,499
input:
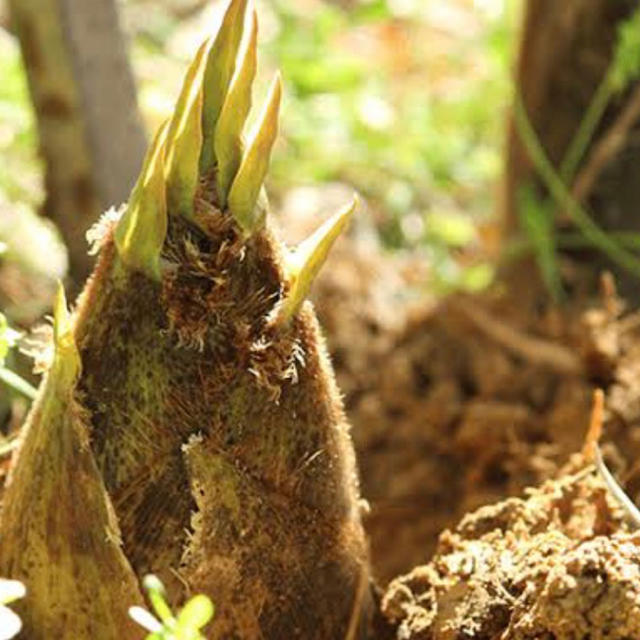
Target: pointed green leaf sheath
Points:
x,y
304,262
248,181
184,140
66,362
220,65
228,136
141,231
61,318
60,535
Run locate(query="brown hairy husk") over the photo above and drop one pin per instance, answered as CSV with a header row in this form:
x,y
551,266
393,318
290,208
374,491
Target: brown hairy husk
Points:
x,y
221,437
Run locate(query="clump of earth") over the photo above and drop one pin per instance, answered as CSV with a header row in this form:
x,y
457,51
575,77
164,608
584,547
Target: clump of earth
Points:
x,y
560,563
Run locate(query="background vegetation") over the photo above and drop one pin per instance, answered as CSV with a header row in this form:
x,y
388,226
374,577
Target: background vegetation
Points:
x,y
402,99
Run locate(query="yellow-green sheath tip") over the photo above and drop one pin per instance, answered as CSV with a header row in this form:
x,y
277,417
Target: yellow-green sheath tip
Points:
x,y
228,136
66,359
140,233
306,260
219,68
246,186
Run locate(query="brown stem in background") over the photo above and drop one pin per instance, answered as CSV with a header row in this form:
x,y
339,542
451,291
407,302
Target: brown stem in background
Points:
x,y
525,346
607,147
564,52
83,95
115,135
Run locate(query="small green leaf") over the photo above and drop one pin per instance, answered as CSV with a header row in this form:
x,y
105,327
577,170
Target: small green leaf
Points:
x,y
195,614
626,59
246,186
228,136
220,65
156,592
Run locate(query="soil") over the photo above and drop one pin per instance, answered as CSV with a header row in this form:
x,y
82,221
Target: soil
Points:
x,y
560,563
462,403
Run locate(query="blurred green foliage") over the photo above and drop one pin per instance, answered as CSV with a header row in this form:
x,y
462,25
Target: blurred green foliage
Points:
x,y
401,99
625,67
8,340
537,214
20,169
386,102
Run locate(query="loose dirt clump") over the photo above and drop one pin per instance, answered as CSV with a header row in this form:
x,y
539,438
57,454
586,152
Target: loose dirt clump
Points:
x,y
560,563
460,403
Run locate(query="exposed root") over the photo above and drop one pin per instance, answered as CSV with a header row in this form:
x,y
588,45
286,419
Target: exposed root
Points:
x,y
533,349
595,427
